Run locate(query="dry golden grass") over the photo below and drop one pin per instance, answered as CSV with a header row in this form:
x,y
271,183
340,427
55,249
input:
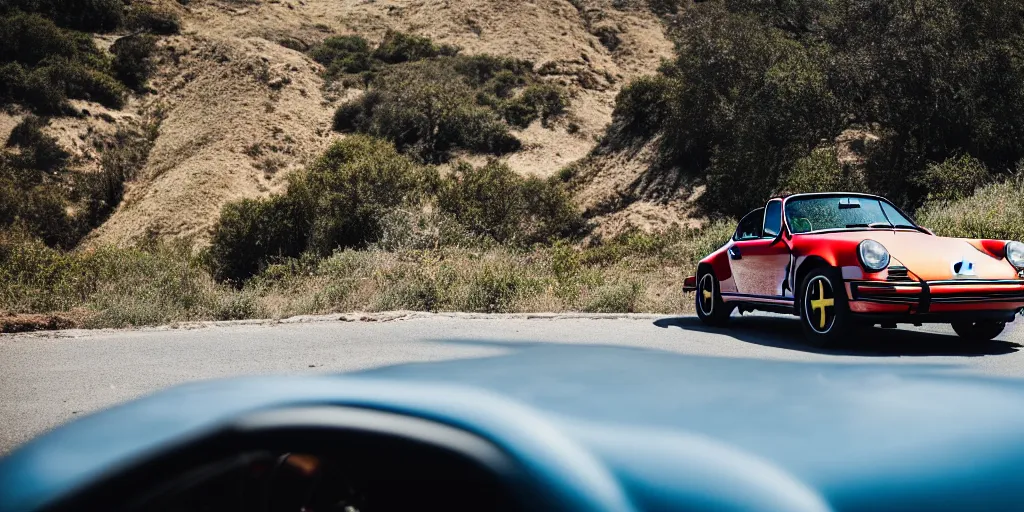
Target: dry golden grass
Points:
x,y
164,283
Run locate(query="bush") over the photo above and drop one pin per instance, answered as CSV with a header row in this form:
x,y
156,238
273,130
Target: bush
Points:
x,y
38,150
156,20
481,69
46,64
254,232
641,109
339,202
30,202
399,47
616,298
821,172
756,86
495,288
343,54
994,211
495,202
85,15
955,178
423,111
133,64
30,38
356,114
80,82
352,186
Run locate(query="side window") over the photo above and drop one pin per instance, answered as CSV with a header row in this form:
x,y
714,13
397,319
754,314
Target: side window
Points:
x,y
750,226
773,219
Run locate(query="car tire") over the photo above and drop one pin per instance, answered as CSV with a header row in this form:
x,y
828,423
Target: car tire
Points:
x,y
979,331
824,308
711,309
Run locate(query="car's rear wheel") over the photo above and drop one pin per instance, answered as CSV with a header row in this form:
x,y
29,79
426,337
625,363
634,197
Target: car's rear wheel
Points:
x,y
710,308
824,308
979,331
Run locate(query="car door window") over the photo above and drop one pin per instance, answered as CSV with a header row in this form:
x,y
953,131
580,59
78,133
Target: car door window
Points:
x,y
750,227
773,219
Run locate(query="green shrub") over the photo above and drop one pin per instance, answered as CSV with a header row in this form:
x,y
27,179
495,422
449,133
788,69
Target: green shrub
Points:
x,y
994,211
132,63
78,81
616,298
339,202
36,278
254,232
31,202
156,20
343,54
481,69
756,86
85,15
539,101
423,111
44,96
38,150
13,80
356,114
821,172
399,47
495,202
352,186
495,288
953,179
641,110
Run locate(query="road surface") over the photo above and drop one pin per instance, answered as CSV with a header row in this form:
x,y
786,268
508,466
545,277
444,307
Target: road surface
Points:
x,y
48,379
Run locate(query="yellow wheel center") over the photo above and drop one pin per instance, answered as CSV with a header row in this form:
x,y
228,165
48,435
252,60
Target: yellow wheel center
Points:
x,y
707,295
821,304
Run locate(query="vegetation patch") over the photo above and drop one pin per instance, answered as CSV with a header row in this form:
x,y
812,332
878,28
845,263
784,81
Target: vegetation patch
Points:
x,y
362,192
38,195
431,102
995,211
756,87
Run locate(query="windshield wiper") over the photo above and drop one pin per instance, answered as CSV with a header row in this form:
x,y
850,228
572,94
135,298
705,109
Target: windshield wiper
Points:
x,y
884,225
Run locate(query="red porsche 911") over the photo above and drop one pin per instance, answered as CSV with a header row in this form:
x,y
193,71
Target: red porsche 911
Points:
x,y
839,260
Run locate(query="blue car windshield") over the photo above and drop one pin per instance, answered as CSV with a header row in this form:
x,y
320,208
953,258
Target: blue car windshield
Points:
x,y
805,215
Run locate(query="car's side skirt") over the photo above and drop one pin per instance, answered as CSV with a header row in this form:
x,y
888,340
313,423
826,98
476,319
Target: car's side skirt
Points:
x,y
783,305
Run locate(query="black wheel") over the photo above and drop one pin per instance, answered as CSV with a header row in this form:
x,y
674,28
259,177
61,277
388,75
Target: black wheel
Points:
x,y
824,307
979,331
710,308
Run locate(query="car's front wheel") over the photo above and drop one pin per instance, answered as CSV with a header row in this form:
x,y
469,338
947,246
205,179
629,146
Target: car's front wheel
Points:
x,y
711,309
979,331
824,309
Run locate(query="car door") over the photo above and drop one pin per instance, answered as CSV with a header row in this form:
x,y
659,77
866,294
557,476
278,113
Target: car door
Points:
x,y
760,265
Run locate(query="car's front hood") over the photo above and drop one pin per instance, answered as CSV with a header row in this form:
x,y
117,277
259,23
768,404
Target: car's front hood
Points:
x,y
932,258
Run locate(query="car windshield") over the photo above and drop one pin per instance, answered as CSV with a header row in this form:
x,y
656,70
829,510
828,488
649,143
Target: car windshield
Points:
x,y
843,212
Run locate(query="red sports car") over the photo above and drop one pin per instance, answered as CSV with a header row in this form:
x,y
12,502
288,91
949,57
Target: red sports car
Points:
x,y
839,260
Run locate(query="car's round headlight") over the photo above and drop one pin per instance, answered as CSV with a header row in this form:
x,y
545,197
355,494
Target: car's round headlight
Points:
x,y
873,255
1015,254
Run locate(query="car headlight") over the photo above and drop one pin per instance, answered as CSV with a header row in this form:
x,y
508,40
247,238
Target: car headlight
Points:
x,y
873,255
1015,254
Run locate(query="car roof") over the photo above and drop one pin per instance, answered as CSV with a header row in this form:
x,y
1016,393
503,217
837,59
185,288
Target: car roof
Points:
x,y
805,195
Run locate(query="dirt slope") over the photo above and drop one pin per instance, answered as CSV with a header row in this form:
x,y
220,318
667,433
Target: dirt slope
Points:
x,y
240,110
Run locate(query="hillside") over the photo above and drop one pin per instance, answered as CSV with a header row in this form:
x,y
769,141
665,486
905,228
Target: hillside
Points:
x,y
240,105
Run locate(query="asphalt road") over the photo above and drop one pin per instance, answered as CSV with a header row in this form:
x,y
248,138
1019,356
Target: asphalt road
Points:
x,y
48,379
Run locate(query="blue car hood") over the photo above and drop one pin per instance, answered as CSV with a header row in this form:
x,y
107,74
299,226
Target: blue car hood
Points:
x,y
860,437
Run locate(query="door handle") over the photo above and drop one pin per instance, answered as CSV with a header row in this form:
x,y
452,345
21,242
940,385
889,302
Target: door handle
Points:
x,y
734,253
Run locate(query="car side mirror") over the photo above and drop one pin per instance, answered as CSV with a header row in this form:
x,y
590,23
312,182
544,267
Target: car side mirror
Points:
x,y
778,238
